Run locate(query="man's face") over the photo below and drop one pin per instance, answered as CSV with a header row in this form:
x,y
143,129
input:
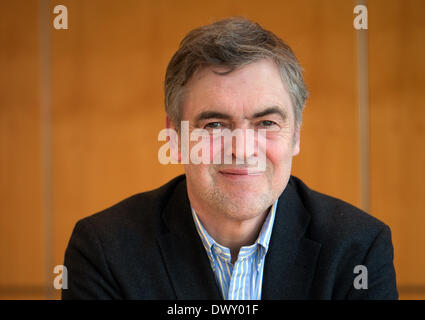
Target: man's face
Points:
x,y
252,97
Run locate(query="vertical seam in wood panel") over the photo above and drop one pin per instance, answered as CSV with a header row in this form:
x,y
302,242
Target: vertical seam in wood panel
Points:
x,y
46,142
363,107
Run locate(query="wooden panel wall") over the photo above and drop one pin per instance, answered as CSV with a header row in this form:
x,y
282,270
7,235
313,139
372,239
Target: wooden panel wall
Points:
x,y
21,218
107,109
397,110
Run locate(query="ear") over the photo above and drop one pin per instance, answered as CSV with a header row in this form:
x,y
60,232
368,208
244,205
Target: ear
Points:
x,y
296,142
168,123
173,139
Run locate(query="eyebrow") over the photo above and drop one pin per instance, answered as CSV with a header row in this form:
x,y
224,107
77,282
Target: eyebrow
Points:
x,y
271,110
219,115
210,115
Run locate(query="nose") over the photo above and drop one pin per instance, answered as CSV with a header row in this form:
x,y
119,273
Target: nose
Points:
x,y
243,145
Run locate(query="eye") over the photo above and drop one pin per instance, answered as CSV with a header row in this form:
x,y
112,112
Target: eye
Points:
x,y
213,125
267,124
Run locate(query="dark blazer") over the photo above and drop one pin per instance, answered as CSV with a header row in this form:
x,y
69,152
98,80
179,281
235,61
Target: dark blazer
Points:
x,y
147,247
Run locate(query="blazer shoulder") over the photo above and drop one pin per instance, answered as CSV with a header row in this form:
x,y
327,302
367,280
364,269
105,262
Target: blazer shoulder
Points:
x,y
336,219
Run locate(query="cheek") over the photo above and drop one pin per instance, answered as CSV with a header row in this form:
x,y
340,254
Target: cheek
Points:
x,y
279,152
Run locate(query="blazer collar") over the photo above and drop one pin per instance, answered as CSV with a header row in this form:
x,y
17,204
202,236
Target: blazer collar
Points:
x,y
292,258
290,261
184,255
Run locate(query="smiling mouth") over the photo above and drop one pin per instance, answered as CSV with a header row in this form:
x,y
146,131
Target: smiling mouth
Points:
x,y
241,172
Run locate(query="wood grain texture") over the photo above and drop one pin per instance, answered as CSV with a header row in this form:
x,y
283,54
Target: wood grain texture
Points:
x,y
21,224
107,110
397,100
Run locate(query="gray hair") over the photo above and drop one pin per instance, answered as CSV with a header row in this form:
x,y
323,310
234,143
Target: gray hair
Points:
x,y
231,43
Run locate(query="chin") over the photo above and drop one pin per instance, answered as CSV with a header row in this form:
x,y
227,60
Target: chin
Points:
x,y
244,189
249,206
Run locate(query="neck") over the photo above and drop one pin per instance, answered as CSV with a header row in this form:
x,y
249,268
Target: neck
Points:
x,y
229,232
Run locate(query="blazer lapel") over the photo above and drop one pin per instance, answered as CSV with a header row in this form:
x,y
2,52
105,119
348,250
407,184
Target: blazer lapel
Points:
x,y
291,259
184,256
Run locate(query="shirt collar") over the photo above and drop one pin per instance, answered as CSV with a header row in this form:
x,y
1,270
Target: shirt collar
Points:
x,y
263,238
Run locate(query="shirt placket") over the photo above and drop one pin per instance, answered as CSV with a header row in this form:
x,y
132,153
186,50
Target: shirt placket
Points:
x,y
223,267
240,282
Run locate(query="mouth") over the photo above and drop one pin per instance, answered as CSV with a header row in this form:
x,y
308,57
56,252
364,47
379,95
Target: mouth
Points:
x,y
241,172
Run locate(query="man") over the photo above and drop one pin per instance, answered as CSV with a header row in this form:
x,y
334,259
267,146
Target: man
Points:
x,y
233,230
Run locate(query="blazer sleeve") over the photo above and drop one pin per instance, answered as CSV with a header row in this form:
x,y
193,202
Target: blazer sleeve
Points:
x,y
381,277
89,276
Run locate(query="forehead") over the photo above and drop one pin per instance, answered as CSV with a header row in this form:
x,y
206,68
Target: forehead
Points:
x,y
248,89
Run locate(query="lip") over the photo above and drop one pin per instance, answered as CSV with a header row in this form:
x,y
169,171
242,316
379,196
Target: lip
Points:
x,y
241,172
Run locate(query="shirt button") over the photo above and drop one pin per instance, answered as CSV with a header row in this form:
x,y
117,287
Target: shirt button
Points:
x,y
218,250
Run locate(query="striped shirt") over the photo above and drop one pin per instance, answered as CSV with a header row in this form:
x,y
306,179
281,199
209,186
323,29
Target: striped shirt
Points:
x,y
242,280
